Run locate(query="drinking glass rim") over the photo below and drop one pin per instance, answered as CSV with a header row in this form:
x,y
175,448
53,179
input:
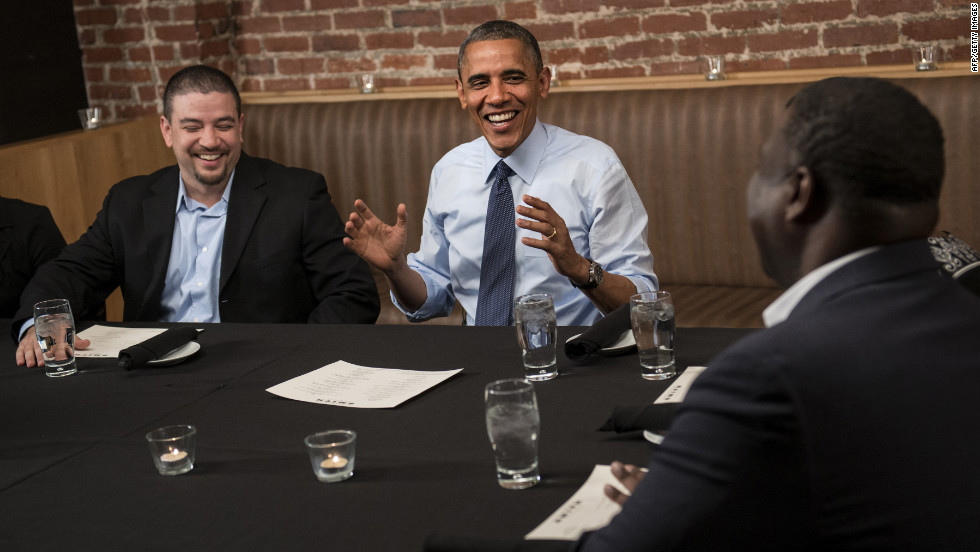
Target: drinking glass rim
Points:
x,y
350,435
189,430
650,296
520,385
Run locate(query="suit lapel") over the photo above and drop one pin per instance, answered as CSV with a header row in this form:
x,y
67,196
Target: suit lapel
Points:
x,y
244,205
159,208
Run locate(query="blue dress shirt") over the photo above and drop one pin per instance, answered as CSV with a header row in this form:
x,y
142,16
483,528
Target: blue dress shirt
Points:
x,y
190,292
582,179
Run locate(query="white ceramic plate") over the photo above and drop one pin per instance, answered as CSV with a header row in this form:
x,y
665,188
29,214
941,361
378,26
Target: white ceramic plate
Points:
x,y
177,355
622,345
655,438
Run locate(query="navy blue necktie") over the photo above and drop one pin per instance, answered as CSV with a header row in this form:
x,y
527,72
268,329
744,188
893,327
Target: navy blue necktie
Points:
x,y
498,269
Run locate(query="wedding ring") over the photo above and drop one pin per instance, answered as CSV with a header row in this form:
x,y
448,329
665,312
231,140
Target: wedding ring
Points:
x,y
554,230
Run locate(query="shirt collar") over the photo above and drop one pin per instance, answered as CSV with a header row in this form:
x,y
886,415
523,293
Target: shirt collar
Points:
x,y
783,306
524,160
186,202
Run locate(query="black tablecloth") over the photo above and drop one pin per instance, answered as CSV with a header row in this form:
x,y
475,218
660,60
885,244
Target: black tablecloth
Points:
x,y
75,472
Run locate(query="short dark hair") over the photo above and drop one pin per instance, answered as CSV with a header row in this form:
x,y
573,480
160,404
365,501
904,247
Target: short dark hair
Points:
x,y
869,141
198,78
501,30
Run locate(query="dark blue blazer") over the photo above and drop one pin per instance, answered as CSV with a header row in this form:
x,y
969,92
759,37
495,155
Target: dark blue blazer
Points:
x,y
28,239
283,258
852,425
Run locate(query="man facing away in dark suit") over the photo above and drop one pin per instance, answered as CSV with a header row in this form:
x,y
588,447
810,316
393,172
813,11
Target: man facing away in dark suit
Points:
x,y
29,238
220,237
852,421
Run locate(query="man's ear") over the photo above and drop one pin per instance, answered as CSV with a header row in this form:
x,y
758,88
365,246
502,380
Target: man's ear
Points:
x,y
461,94
807,201
165,131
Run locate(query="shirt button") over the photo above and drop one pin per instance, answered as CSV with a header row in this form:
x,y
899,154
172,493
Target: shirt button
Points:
x,y
204,250
199,284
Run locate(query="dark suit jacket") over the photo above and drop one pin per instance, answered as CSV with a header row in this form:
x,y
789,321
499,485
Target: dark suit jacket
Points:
x,y
28,239
854,424
283,259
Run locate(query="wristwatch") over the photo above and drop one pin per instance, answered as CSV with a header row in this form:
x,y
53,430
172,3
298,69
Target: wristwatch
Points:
x,y
595,276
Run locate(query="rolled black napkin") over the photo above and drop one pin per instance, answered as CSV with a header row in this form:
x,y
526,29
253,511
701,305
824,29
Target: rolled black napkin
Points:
x,y
603,333
651,417
441,542
155,347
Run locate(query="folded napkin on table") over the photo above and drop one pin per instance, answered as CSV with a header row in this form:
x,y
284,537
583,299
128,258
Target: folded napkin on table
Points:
x,y
651,417
155,347
603,333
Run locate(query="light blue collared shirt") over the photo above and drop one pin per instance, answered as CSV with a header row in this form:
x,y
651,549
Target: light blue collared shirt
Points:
x,y
190,293
582,179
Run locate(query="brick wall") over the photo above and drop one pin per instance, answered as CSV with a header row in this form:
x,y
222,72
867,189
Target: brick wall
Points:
x,y
131,47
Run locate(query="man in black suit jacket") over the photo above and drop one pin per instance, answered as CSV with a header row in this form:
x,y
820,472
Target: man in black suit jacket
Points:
x,y
280,239
28,239
851,422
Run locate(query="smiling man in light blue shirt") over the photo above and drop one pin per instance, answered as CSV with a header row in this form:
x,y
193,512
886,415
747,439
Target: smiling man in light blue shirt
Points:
x,y
581,229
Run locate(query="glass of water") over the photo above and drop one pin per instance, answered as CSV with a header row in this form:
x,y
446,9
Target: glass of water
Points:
x,y
54,328
537,332
513,424
652,318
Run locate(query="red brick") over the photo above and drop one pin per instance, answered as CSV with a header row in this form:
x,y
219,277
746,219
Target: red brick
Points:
x,y
384,3
83,3
431,81
102,55
674,23
359,19
134,16
300,66
118,2
675,68
159,53
190,51
333,83
86,37
332,4
129,74
711,45
176,33
307,23
154,14
404,62
643,49
936,29
609,26
384,41
286,84
860,35
826,61
469,15
635,4
336,43
213,10
130,112
614,72
764,64
250,85
680,3
957,53
520,10
445,62
121,36
343,65
898,56
139,54
441,39
95,16
570,6
110,92
248,46
147,93
748,19
94,74
167,71
867,8
551,31
282,5
215,48
258,25
163,53
589,55
258,67
415,18
287,44
813,12
785,40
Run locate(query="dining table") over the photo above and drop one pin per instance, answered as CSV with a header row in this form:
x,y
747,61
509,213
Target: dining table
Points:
x,y
76,473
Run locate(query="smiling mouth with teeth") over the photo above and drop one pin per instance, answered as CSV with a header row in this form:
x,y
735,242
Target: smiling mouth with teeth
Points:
x,y
209,156
498,118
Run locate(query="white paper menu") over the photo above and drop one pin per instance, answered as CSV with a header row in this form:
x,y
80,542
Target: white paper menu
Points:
x,y
345,384
107,341
587,510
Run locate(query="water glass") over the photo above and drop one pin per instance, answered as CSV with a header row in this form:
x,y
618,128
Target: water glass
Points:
x,y
332,454
925,58
54,328
513,425
91,117
715,69
537,333
652,318
172,448
367,84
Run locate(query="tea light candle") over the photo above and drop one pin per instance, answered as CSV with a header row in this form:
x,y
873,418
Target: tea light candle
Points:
x,y
334,462
174,455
